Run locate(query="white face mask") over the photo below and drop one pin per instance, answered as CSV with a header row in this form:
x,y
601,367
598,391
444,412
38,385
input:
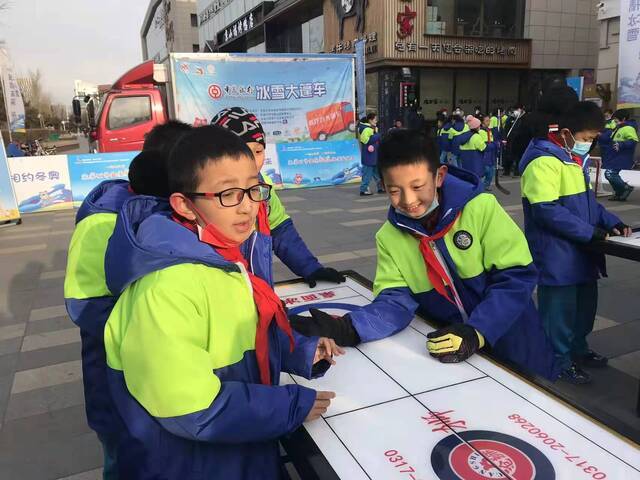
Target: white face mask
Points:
x,y
434,204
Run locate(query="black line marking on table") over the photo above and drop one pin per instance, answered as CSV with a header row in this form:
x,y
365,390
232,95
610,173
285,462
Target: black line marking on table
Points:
x,y
438,417
339,439
451,385
368,406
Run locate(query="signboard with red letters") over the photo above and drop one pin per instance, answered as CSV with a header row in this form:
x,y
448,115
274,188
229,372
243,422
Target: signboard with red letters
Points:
x,y
401,415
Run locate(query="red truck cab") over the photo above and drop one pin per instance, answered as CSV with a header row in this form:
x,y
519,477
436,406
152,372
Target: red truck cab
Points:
x,y
132,107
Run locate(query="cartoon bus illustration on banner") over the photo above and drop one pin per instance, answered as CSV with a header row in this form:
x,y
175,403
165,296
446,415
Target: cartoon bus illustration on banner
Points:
x,y
331,119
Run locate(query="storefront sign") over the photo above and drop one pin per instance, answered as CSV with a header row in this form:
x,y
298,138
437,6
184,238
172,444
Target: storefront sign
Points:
x,y
456,49
238,28
405,22
349,46
213,8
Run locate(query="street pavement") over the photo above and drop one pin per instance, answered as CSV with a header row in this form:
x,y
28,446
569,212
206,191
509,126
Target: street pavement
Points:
x,y
43,430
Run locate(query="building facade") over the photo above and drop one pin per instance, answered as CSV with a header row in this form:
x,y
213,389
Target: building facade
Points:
x,y
427,54
169,26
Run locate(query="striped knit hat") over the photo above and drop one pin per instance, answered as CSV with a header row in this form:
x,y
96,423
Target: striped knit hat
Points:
x,y
241,122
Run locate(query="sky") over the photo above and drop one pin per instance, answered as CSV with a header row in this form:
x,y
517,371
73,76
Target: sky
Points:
x,y
91,40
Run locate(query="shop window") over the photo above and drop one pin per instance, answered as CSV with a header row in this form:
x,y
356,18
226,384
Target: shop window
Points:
x,y
504,86
489,18
436,91
471,90
194,20
372,92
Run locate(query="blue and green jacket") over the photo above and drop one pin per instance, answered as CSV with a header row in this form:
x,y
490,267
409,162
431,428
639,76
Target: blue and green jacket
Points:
x,y
492,272
443,137
458,128
471,146
369,139
560,215
626,136
87,297
180,346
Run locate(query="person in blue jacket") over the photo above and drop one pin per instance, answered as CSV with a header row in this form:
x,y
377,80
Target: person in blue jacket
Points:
x,y
562,216
14,150
458,127
198,338
450,251
369,142
444,126
471,146
489,155
618,146
288,245
87,298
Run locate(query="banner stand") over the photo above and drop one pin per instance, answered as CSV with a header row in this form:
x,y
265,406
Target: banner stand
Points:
x,y
9,212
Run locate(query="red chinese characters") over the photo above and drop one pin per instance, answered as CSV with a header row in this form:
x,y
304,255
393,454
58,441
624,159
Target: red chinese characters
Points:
x,y
405,22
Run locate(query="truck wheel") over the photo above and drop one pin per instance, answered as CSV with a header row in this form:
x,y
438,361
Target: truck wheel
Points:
x,y
352,127
322,136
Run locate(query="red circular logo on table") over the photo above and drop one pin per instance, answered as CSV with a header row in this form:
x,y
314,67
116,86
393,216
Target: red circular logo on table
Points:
x,y
215,91
482,455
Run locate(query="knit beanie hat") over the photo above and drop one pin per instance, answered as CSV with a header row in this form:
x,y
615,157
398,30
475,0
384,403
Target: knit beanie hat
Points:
x,y
473,122
241,122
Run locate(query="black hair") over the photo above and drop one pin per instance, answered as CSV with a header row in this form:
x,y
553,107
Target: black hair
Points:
x,y
581,117
371,116
196,149
407,147
622,115
148,174
608,110
163,137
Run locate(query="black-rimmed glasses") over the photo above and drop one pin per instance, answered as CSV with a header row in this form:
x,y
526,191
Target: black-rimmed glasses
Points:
x,y
234,196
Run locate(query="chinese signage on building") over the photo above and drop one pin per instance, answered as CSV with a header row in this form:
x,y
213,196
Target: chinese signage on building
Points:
x,y
243,25
440,48
348,46
211,10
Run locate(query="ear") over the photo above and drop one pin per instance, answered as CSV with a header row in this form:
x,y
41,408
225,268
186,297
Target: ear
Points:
x,y
182,206
442,170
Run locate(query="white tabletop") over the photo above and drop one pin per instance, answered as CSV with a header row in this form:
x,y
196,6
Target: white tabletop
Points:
x,y
400,414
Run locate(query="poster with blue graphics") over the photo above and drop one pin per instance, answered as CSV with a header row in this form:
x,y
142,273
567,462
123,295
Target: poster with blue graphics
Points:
x,y
319,164
297,98
8,204
88,170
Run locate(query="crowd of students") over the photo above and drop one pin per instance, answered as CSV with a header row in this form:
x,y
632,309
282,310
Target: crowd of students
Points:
x,y
183,338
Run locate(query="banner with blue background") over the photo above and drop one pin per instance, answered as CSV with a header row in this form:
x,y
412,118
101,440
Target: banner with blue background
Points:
x,y
299,99
88,170
8,204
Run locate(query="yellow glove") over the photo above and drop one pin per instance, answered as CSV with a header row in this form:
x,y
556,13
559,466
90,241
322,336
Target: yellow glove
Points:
x,y
455,343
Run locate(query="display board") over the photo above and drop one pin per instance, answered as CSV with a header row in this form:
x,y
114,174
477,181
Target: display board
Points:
x,y
41,183
8,205
88,170
400,414
633,240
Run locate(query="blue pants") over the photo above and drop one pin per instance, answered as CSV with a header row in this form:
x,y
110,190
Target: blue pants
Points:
x,y
616,181
369,172
567,315
489,170
110,448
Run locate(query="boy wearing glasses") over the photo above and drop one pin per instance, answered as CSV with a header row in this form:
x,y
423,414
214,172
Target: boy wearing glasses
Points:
x,y
198,338
287,243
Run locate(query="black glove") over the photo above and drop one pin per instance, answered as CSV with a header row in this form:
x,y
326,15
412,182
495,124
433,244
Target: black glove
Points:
x,y
321,324
599,234
620,227
454,343
326,274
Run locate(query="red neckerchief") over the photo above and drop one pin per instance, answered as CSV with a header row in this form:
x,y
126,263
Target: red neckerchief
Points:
x,y
435,271
554,138
489,134
268,304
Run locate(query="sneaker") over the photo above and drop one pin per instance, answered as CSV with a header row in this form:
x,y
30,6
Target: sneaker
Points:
x,y
594,360
365,194
575,375
627,191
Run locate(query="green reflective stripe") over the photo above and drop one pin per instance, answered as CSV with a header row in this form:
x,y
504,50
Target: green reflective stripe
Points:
x,y
546,179
484,135
84,277
496,243
366,134
172,328
475,143
493,123
626,133
454,133
611,125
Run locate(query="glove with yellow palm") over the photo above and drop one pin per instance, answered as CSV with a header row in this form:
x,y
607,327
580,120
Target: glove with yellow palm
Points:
x,y
454,343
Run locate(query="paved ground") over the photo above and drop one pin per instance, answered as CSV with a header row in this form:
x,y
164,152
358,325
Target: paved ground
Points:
x,y
43,431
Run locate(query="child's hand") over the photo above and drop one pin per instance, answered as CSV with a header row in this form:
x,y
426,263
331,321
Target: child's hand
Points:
x,y
326,349
320,406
